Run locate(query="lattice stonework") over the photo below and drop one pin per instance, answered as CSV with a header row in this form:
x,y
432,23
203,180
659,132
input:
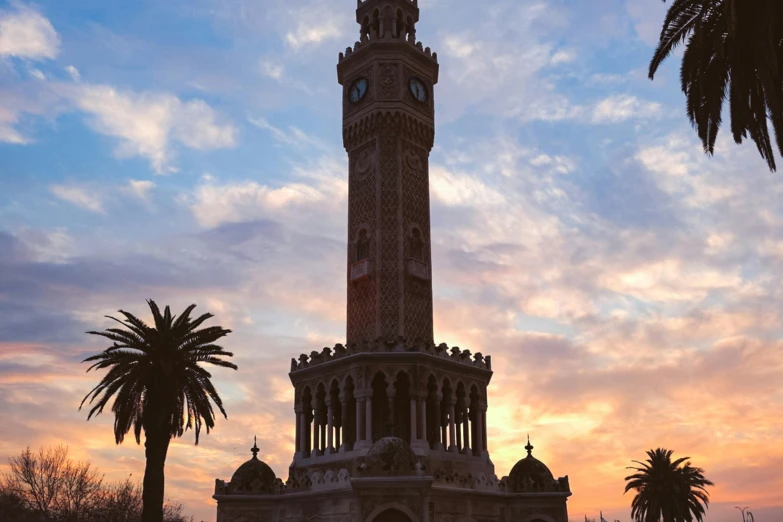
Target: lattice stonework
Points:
x,y
416,213
388,133
390,262
361,214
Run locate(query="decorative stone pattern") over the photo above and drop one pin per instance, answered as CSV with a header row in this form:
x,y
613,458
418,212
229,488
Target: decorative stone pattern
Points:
x,y
362,309
388,81
390,258
416,212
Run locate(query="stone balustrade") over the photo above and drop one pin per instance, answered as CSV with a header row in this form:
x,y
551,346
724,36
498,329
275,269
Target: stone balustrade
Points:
x,y
442,350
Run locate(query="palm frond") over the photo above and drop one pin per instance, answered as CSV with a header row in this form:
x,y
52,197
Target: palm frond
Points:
x,y
155,378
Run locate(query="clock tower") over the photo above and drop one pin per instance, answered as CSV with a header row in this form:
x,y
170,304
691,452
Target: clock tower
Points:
x,y
390,427
388,131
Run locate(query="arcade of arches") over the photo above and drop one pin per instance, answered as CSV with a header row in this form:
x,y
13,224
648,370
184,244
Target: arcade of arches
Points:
x,y
337,417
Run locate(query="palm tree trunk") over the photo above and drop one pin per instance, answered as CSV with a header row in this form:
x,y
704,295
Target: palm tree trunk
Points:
x,y
156,447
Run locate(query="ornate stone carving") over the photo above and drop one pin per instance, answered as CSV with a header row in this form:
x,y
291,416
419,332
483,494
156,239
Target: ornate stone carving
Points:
x,y
364,161
388,81
416,209
361,211
389,256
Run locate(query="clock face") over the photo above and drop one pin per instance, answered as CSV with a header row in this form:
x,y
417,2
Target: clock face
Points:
x,y
418,89
358,90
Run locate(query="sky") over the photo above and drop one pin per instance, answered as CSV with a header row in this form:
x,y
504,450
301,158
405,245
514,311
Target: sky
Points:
x,y
627,286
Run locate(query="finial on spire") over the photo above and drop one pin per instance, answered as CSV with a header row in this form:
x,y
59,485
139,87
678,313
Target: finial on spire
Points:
x,y
529,447
254,450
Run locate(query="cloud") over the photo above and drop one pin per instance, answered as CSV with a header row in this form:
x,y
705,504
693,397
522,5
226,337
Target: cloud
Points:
x,y
79,196
622,107
140,188
294,137
272,70
321,189
315,23
25,33
504,72
73,72
146,123
8,132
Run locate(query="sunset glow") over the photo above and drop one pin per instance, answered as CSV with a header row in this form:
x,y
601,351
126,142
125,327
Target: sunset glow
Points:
x,y
627,286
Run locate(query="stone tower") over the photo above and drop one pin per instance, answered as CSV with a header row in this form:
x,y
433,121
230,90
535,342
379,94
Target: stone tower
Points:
x,y
390,427
388,131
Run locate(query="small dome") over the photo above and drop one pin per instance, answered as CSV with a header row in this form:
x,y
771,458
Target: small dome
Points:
x,y
530,474
254,476
391,454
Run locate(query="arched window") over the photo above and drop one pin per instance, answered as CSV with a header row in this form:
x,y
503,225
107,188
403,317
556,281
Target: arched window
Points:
x,y
362,246
400,25
376,24
416,245
365,31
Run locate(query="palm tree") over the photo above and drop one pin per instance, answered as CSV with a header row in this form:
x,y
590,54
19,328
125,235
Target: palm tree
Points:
x,y
158,386
666,490
734,48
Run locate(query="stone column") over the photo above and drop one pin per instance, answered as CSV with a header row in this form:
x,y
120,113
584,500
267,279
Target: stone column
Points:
x,y
323,436
343,424
414,416
422,427
484,440
301,417
466,428
316,429
458,425
439,442
368,420
299,431
329,427
452,425
391,392
359,421
478,444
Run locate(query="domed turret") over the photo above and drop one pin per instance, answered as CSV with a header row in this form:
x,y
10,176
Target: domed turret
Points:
x,y
530,475
253,477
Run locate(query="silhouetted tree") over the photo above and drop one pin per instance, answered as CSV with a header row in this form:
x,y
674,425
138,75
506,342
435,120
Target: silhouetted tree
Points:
x,y
51,485
734,48
158,386
666,490
47,486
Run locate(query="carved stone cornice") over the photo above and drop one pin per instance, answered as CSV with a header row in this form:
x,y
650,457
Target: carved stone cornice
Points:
x,y
395,122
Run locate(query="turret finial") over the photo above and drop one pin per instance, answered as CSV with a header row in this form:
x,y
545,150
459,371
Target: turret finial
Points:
x,y
254,450
529,447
